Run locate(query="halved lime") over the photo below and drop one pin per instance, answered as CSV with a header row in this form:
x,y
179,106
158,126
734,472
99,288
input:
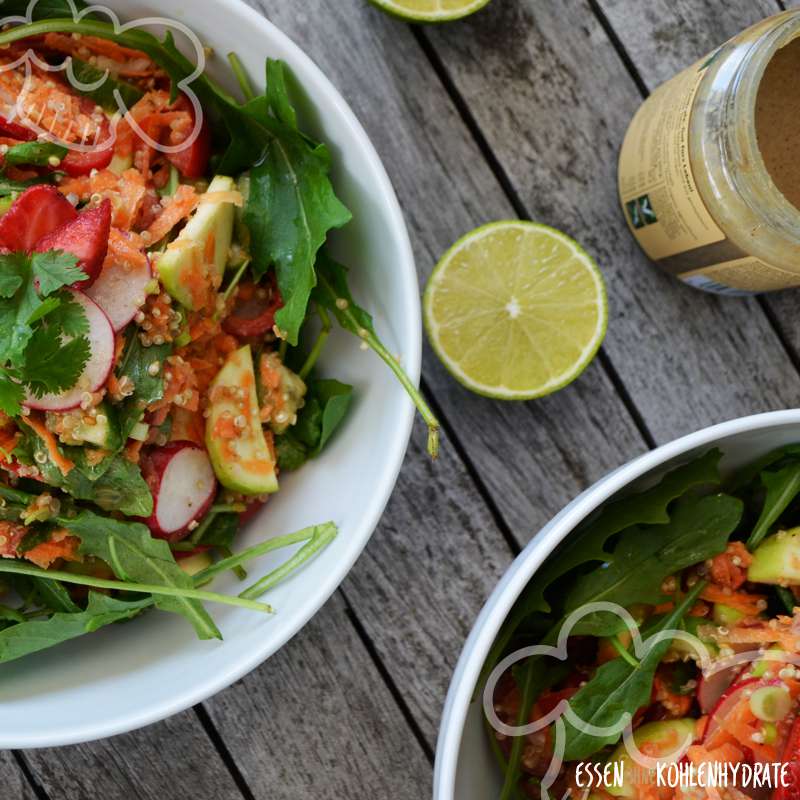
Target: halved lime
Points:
x,y
430,10
515,310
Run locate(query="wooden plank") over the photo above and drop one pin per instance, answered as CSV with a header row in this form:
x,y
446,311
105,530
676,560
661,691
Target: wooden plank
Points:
x,y
424,576
438,553
317,721
446,188
553,99
174,759
15,786
662,38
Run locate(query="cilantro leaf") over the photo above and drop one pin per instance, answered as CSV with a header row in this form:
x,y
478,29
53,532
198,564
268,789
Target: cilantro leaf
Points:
x,y
51,366
44,346
9,282
55,269
11,395
68,316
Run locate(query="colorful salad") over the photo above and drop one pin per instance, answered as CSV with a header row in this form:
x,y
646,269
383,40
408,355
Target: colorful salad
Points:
x,y
165,294
716,559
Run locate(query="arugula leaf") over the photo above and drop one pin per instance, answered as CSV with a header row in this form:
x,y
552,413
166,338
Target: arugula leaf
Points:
x,y
782,487
221,532
649,507
618,687
134,555
36,153
135,364
645,556
291,206
103,95
291,452
326,406
333,294
278,93
43,9
114,485
588,543
29,637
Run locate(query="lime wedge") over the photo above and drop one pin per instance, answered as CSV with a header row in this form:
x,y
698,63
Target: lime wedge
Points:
x,y
430,10
515,310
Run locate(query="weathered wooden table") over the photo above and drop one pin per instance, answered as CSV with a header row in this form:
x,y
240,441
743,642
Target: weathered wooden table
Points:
x,y
518,111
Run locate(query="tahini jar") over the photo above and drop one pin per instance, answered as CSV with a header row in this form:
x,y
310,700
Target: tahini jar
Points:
x,y
709,172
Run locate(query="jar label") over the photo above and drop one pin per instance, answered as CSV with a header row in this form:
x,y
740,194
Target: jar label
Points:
x,y
659,194
746,275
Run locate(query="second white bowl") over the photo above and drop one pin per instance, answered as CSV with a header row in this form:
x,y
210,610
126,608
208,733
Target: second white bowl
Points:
x,y
465,768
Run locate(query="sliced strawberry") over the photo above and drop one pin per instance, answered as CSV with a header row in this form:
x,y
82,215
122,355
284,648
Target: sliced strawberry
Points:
x,y
35,213
86,237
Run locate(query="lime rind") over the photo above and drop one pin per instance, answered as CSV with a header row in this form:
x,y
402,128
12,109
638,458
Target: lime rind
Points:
x,y
556,382
395,9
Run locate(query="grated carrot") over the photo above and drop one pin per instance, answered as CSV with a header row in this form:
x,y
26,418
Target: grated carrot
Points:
x,y
179,207
64,464
749,604
61,546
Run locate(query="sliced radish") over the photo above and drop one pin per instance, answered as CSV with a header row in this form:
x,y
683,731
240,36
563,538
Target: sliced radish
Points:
x,y
738,693
121,289
98,367
712,687
184,486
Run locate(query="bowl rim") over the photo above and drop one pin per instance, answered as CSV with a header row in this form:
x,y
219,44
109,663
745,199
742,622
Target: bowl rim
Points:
x,y
522,569
394,449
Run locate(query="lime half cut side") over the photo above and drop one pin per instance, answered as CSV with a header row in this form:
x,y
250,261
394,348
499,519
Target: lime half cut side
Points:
x,y
516,310
430,10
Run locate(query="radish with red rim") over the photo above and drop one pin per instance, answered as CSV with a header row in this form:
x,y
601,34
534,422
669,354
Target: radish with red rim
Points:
x,y
711,688
183,485
98,367
120,290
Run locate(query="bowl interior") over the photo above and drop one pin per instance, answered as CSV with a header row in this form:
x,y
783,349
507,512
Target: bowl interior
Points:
x,y
465,767
129,675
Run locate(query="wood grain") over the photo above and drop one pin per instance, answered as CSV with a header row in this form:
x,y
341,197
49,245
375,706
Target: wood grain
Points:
x,y
664,36
533,457
553,99
12,779
424,577
317,721
438,553
173,759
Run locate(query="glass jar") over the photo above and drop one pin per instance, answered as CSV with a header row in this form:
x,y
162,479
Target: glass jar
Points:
x,y
709,173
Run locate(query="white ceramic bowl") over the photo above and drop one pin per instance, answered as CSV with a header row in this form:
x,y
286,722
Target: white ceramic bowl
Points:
x,y
130,675
465,768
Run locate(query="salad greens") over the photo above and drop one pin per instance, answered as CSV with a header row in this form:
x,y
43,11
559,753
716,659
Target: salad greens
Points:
x,y
45,347
635,552
290,207
222,377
